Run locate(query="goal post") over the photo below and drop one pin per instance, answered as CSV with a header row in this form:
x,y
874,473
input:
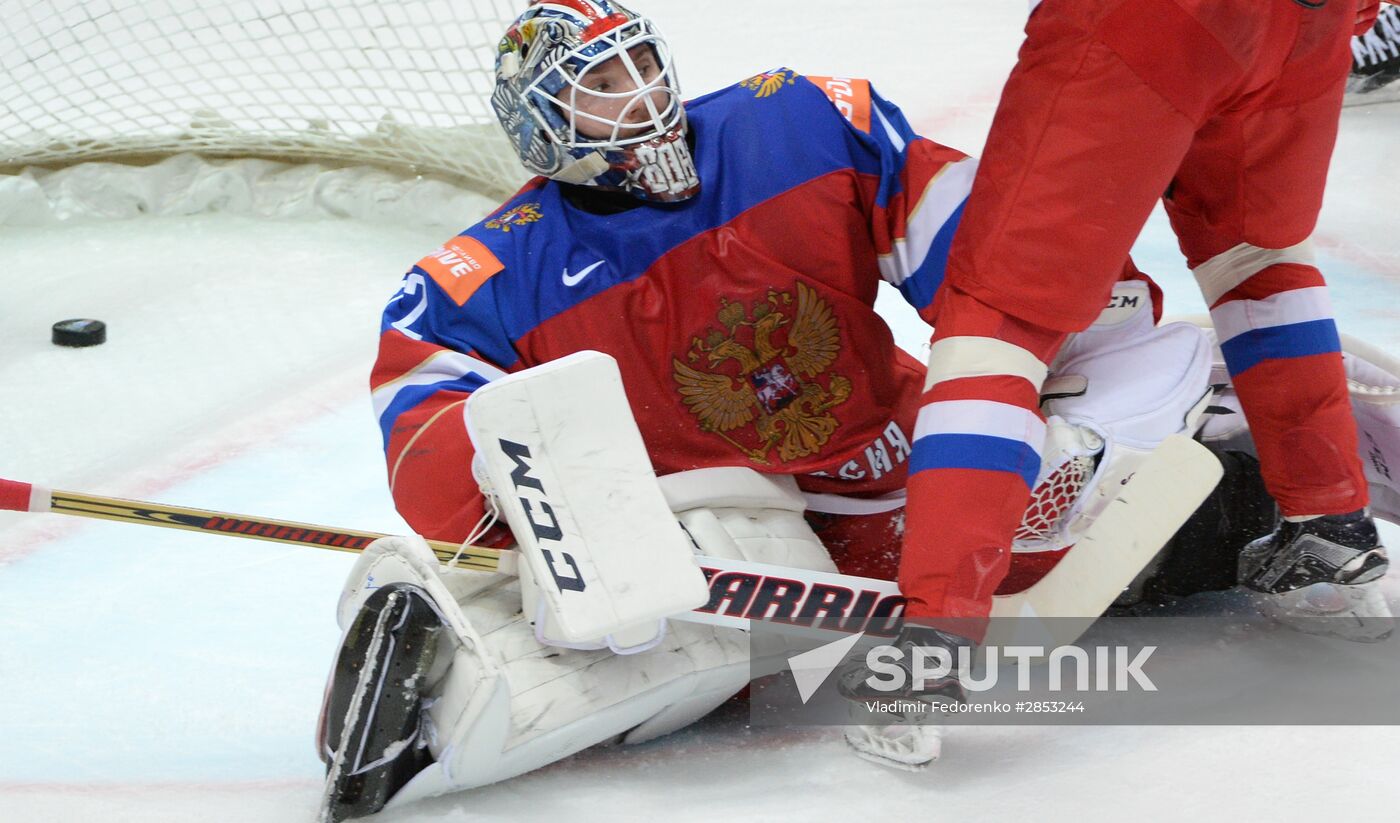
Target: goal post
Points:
x,y
398,84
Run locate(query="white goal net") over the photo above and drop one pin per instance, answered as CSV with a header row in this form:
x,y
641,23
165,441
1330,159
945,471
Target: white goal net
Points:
x,y
397,84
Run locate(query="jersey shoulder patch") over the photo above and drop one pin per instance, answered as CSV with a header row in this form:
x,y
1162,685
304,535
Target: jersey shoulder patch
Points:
x,y
850,96
768,83
461,266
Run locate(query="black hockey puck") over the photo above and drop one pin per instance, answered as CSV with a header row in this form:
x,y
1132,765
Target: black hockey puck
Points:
x,y
80,332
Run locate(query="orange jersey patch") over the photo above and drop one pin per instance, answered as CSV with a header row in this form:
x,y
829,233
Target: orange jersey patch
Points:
x,y
850,96
460,267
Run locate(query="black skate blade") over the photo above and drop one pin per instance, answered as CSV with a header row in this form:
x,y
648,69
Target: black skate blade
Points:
x,y
373,709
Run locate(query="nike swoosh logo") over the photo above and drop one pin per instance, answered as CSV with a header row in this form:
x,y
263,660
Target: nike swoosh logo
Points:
x,y
573,279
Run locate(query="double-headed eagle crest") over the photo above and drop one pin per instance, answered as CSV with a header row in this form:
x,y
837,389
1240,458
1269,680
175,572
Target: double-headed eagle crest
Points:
x,y
770,381
521,215
770,82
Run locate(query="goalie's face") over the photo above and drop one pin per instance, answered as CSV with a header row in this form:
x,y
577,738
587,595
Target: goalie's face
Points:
x,y
621,97
617,90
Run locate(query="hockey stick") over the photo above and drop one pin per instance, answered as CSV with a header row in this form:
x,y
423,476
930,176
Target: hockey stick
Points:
x,y
27,497
1153,504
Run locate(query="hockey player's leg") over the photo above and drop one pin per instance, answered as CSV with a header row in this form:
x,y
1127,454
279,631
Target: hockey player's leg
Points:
x,y
1042,242
976,453
1107,406
1044,235
1274,322
1248,246
1104,391
1355,612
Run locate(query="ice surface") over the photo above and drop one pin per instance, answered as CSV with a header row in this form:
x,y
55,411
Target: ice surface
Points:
x,y
152,675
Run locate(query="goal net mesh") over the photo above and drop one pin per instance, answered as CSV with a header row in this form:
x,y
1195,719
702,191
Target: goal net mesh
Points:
x,y
403,84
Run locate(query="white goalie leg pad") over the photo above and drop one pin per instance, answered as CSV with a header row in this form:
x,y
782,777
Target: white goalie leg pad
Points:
x,y
558,701
508,704
561,701
1373,380
1127,320
739,514
473,692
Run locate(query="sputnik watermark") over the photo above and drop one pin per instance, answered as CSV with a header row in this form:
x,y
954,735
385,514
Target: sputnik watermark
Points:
x,y
1110,668
1167,670
1100,669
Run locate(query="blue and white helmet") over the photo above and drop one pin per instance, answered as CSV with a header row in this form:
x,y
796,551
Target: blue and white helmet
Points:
x,y
587,93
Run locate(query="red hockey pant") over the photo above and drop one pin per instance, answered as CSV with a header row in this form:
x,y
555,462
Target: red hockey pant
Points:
x,y
1230,107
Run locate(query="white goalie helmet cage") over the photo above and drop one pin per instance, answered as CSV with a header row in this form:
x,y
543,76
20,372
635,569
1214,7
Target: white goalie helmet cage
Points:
x,y
587,93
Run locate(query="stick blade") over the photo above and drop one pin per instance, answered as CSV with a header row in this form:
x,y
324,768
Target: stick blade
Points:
x,y
1157,499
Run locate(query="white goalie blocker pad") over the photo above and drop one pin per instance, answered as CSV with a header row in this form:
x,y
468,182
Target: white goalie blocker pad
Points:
x,y
1118,389
602,559
1373,381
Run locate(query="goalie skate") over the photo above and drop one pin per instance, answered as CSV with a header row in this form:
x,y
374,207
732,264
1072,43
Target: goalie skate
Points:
x,y
371,725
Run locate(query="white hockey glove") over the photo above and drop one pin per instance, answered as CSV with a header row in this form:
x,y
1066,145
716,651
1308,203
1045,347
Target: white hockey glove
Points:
x,y
1122,397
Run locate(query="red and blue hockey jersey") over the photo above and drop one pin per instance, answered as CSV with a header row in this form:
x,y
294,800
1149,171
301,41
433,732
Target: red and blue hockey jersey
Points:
x,y
743,319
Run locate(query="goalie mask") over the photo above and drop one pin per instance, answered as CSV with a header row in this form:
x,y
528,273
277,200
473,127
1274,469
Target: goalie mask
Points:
x,y
587,94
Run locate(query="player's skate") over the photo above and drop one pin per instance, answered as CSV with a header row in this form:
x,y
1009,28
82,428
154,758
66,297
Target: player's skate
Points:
x,y
1336,548
1357,613
915,740
371,724
855,680
1376,62
910,748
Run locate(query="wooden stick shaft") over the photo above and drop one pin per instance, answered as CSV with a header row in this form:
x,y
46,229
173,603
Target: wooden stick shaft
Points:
x,y
94,506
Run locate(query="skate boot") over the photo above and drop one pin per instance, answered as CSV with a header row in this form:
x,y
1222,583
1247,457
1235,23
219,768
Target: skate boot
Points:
x,y
852,681
913,741
1376,62
1337,548
372,732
